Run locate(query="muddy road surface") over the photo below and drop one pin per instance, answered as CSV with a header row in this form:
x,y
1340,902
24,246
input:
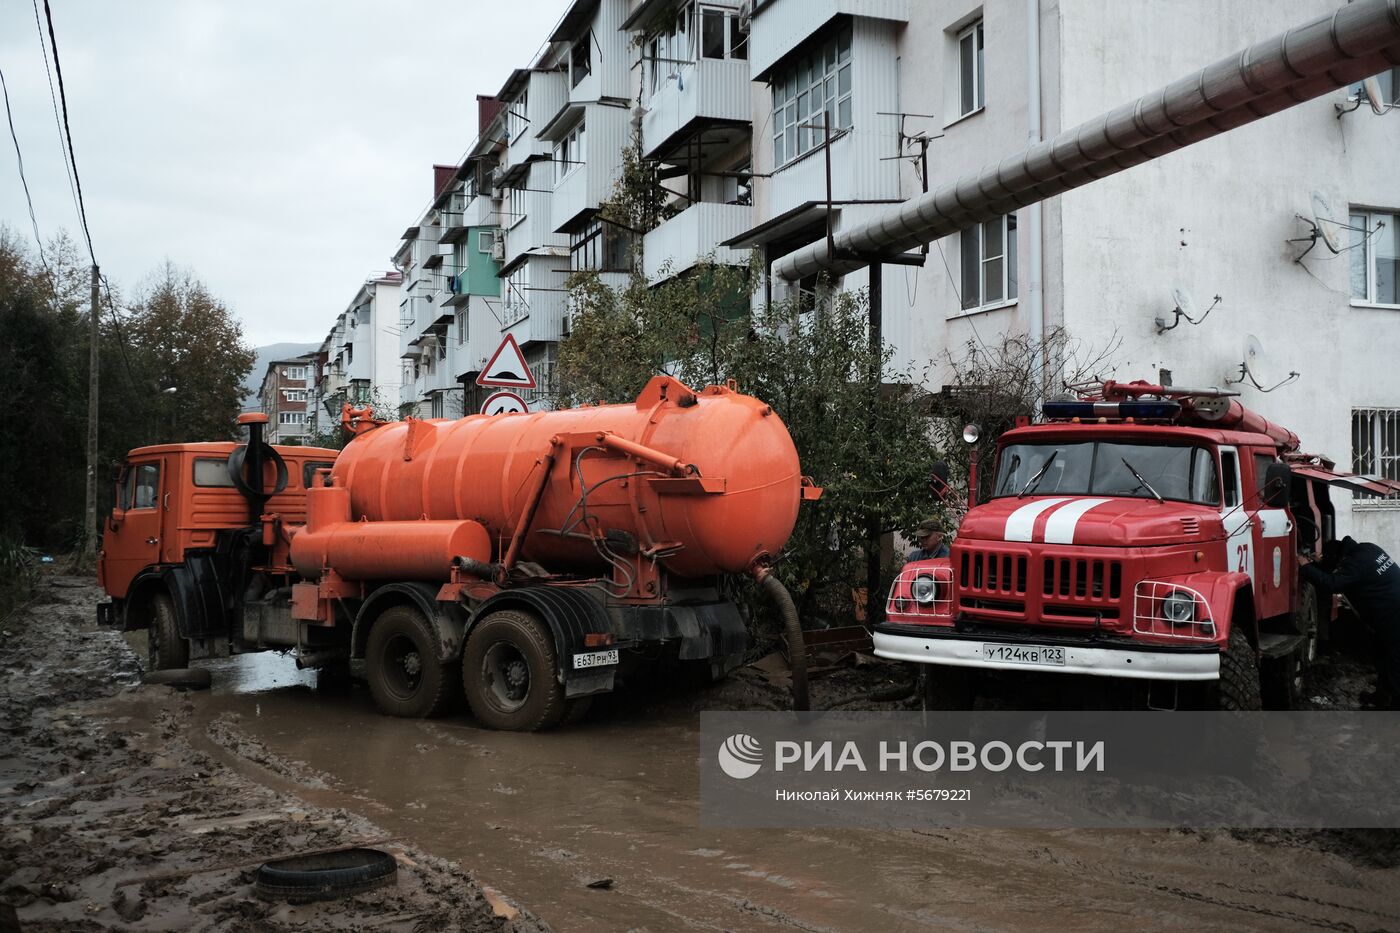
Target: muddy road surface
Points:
x,y
595,827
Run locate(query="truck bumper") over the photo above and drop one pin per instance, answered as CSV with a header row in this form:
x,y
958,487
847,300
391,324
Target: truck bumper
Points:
x,y
951,648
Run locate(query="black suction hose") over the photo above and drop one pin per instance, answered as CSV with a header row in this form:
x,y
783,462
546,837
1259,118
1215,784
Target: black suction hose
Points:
x,y
797,646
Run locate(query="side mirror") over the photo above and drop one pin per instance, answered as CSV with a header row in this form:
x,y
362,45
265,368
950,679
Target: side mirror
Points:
x,y
114,520
938,480
1278,479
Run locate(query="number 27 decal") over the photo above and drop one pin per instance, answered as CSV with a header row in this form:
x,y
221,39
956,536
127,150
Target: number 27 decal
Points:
x,y
1242,551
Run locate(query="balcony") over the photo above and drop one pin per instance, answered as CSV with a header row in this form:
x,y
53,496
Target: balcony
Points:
x,y
701,110
692,235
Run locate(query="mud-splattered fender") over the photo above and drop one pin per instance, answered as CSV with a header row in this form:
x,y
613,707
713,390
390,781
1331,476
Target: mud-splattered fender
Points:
x,y
448,620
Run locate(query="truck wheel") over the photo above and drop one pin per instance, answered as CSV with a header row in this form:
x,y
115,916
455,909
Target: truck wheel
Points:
x,y
401,660
1281,681
948,688
508,673
1238,687
165,649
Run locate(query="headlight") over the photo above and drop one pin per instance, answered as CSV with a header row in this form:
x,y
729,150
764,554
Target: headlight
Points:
x,y
1179,608
924,590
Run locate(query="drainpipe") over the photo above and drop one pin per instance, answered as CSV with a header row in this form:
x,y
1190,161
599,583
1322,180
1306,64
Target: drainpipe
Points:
x,y
1035,309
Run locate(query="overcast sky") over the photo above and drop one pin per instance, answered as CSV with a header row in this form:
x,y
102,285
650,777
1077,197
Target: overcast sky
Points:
x,y
278,149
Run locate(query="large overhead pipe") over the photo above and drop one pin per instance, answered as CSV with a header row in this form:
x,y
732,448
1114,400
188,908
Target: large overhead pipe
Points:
x,y
1307,61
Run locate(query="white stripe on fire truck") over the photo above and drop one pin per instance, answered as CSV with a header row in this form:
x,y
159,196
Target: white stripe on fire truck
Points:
x,y
1021,523
1059,528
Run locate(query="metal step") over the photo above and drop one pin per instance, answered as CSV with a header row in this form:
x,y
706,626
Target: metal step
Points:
x,y
1277,645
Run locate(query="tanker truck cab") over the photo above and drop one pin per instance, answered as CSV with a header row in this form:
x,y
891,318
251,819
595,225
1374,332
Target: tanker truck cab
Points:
x,y
1145,533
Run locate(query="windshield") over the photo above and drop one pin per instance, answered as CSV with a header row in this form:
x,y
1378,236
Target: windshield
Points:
x,y
1107,468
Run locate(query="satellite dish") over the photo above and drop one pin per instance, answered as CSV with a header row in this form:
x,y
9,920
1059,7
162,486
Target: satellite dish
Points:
x,y
1183,301
1372,89
1322,220
1254,366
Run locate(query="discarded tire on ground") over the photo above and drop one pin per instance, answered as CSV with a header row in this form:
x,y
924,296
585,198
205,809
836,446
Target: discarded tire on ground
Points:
x,y
326,876
190,678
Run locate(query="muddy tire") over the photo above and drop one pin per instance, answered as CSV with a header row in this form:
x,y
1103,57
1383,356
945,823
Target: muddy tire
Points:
x,y
509,673
165,649
1238,687
1281,681
948,688
401,660
325,877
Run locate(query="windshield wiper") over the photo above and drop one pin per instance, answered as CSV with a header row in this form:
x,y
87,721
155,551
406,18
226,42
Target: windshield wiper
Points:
x,y
1035,480
1138,476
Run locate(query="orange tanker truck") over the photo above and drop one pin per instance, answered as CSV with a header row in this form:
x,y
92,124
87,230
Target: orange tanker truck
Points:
x,y
525,559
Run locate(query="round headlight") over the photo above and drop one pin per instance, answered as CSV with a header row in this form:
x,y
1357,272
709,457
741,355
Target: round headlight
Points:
x,y
924,590
1179,608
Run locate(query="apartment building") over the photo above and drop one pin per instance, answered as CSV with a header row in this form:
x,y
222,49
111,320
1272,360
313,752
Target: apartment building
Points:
x,y
285,397
775,122
918,94
361,355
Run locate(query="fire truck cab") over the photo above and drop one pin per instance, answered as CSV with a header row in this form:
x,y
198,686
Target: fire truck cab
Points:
x,y
1146,533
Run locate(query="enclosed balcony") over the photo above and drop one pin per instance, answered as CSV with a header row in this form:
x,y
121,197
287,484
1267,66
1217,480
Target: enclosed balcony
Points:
x,y
697,110
691,236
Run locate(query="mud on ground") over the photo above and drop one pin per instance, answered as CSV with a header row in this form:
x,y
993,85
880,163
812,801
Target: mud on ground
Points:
x,y
109,820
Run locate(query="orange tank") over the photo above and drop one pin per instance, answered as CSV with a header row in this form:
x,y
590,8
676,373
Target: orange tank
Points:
x,y
701,482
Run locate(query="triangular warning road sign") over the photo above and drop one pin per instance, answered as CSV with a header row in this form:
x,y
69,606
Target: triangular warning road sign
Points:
x,y
507,368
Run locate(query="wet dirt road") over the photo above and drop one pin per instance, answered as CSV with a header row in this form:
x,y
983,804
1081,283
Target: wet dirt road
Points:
x,y
541,816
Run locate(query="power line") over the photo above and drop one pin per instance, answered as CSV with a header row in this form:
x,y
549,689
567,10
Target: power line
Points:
x,y
68,133
53,99
19,156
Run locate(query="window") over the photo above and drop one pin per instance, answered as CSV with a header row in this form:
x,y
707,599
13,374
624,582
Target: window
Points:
x,y
308,471
669,48
462,317
294,373
1375,257
1390,87
738,185
580,61
1184,473
143,486
1230,473
485,241
295,395
291,417
600,247
515,206
972,83
515,116
211,472
1375,447
814,90
989,263
515,301
569,153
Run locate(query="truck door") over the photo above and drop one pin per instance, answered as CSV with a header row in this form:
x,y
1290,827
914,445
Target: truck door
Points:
x,y
1275,543
132,541
1234,514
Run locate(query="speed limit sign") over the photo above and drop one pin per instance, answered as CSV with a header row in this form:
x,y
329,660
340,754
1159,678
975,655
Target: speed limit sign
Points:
x,y
504,403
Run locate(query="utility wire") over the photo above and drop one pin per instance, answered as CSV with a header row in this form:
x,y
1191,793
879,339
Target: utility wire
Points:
x,y
19,156
53,99
68,133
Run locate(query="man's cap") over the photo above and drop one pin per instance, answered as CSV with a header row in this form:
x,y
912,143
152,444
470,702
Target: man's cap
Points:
x,y
927,527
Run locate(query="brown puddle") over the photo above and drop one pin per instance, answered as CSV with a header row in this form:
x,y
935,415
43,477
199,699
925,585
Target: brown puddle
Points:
x,y
540,816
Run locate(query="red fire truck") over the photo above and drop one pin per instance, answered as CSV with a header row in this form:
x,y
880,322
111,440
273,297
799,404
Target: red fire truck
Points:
x,y
1146,533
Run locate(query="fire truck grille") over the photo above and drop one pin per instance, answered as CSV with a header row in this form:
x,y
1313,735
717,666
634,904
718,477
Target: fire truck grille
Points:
x,y
1080,579
994,572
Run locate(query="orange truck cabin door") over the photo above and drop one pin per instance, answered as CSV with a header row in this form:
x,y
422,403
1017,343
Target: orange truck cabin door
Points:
x,y
132,541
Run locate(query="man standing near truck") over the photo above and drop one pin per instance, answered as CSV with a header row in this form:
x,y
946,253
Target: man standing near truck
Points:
x,y
1370,580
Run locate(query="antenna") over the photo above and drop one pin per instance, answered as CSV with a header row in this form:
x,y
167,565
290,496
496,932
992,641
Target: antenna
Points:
x,y
1183,306
1371,89
1323,223
1254,370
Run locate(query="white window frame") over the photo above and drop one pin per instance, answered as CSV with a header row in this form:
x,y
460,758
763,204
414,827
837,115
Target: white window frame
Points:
x,y
978,45
515,297
671,48
731,40
516,121
291,417
1009,256
1364,241
294,395
515,207
570,152
577,75
824,69
1380,457
294,374
481,238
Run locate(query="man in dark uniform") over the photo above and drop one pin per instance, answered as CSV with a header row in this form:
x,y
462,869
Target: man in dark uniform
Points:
x,y
929,534
1370,580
